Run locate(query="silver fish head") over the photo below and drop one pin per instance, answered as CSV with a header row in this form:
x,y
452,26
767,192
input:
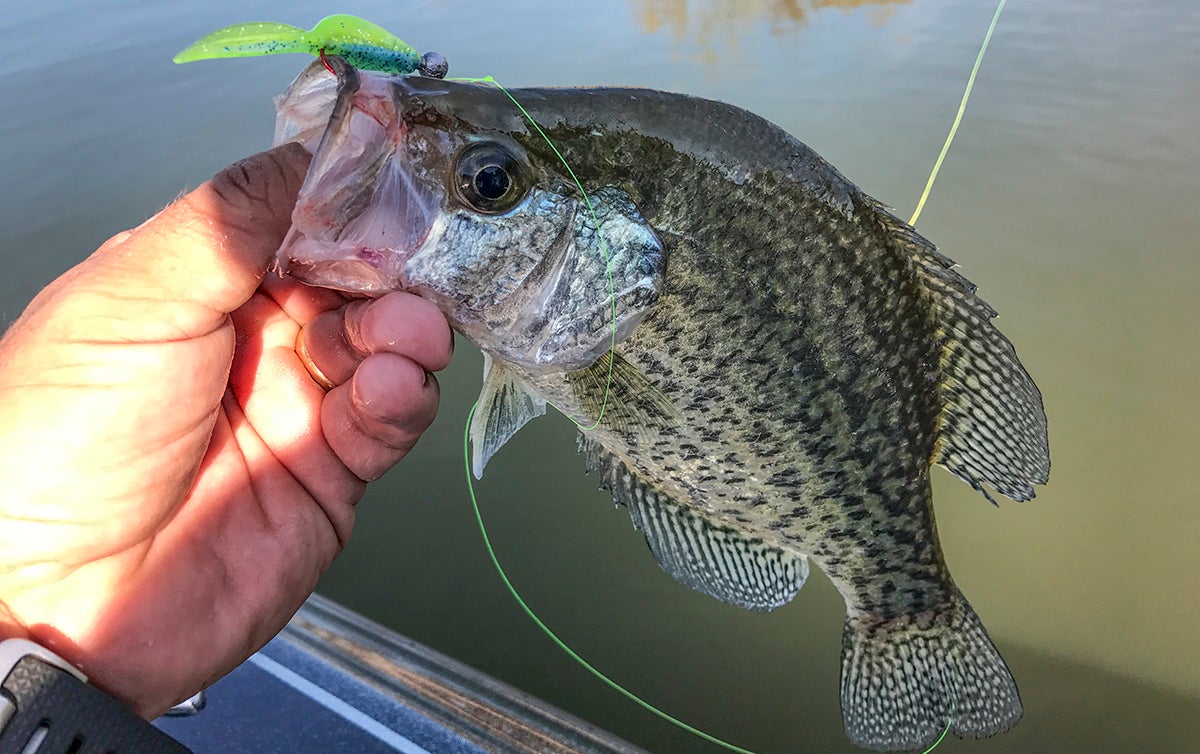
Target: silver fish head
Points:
x,y
445,189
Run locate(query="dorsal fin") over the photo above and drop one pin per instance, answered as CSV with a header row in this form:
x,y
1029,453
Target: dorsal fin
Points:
x,y
992,427
505,405
716,560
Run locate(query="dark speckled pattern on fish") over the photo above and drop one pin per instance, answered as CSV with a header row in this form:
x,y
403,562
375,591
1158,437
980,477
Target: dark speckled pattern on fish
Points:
x,y
803,359
802,356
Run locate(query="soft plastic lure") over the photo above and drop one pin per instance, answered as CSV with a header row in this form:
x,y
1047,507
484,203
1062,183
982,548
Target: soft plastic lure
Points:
x,y
361,43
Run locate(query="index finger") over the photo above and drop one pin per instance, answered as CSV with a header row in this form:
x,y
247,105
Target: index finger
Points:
x,y
210,248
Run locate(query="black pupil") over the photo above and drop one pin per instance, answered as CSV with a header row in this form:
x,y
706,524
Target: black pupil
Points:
x,y
492,182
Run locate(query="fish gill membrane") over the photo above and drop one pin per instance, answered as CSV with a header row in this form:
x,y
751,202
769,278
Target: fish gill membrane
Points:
x,y
864,356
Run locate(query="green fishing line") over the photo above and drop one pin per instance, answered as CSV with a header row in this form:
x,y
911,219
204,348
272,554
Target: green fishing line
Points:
x,y
962,108
487,543
949,722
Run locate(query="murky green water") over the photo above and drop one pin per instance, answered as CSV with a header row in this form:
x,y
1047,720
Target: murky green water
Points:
x,y
1069,197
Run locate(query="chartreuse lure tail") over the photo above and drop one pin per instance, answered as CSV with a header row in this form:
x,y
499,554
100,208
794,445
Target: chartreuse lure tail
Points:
x,y
361,43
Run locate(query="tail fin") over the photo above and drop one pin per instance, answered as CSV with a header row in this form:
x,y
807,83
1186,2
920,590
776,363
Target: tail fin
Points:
x,y
904,679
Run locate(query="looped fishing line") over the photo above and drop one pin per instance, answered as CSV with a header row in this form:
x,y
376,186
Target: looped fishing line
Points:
x,y
607,389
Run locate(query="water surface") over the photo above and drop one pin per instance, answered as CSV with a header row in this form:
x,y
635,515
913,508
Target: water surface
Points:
x,y
1069,198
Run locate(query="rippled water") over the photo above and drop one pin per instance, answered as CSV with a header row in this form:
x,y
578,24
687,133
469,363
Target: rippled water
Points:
x,y
1069,197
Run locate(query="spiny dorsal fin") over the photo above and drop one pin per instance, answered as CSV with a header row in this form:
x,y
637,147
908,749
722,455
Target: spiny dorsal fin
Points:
x,y
992,428
505,405
633,402
715,560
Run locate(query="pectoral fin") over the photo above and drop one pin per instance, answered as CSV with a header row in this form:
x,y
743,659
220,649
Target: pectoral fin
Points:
x,y
716,560
505,405
621,397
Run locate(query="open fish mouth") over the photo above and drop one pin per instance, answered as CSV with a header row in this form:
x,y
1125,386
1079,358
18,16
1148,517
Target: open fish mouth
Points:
x,y
361,210
349,275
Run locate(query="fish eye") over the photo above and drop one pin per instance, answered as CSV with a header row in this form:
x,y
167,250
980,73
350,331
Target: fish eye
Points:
x,y
489,178
492,182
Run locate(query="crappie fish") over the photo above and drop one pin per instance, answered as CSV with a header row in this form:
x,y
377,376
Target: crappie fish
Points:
x,y
789,358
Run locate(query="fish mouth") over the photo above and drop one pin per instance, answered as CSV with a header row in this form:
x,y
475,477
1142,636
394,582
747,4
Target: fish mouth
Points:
x,y
348,275
362,209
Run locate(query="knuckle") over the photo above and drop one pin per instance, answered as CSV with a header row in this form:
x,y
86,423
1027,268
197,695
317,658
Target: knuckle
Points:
x,y
262,182
246,183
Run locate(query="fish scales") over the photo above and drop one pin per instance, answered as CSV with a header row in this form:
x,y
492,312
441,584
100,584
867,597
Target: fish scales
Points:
x,y
830,373
789,358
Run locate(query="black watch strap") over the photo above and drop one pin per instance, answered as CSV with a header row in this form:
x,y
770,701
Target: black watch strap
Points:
x,y
44,700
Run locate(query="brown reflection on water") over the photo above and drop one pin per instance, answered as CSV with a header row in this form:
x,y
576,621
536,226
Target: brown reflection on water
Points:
x,y
715,24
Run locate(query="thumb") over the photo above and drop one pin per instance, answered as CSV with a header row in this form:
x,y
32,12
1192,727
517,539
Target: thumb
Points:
x,y
208,251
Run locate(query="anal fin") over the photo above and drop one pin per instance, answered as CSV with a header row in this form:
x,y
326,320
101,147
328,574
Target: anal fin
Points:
x,y
716,560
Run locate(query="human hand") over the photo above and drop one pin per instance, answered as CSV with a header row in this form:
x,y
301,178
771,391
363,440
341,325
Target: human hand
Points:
x,y
174,481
